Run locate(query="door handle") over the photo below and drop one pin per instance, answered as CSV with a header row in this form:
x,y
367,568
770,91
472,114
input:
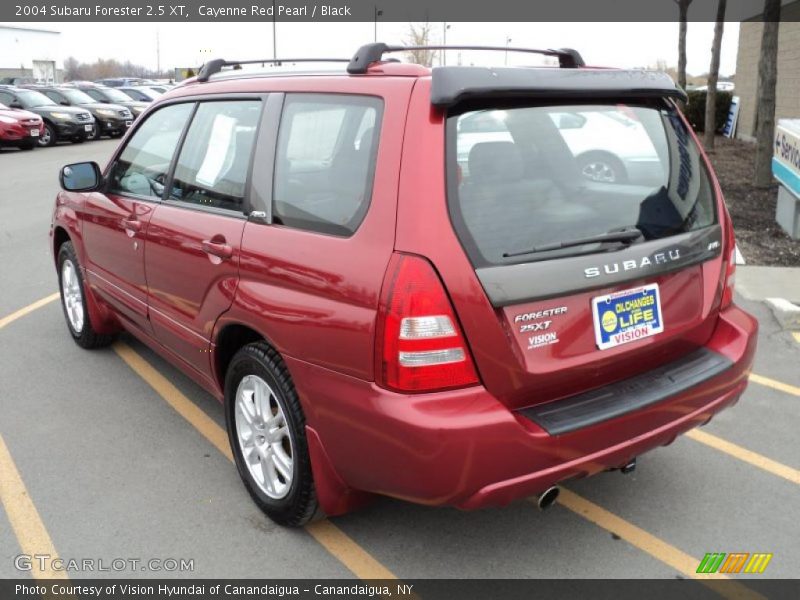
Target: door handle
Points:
x,y
132,226
218,249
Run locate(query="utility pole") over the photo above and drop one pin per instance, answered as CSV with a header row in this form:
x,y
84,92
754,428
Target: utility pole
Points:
x,y
274,34
158,52
445,27
377,13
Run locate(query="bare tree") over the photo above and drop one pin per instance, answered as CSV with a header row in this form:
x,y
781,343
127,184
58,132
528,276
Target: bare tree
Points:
x,y
713,76
683,10
420,35
765,102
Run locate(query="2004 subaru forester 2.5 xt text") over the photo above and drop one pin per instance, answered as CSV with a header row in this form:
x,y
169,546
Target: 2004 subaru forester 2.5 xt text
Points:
x,y
455,287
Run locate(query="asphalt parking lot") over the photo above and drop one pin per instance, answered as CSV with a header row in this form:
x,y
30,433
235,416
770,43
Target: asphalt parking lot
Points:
x,y
114,453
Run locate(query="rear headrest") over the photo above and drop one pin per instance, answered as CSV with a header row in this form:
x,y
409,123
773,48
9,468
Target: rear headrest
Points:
x,y
493,162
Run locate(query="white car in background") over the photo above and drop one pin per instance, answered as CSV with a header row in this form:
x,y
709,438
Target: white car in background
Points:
x,y
609,145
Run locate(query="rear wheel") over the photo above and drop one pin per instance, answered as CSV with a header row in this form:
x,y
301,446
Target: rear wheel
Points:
x,y
73,300
602,167
266,428
48,137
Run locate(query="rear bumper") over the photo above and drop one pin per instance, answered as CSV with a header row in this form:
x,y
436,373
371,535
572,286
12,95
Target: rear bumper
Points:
x,y
465,448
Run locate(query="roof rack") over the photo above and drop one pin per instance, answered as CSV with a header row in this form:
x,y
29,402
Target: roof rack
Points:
x,y
370,53
216,65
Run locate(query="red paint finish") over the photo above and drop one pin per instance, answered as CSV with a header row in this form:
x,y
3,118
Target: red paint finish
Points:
x,y
192,266
178,277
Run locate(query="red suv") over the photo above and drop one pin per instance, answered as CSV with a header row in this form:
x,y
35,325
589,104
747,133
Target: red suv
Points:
x,y
414,282
19,128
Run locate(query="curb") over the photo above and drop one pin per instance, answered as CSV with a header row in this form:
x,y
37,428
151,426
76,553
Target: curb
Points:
x,y
787,313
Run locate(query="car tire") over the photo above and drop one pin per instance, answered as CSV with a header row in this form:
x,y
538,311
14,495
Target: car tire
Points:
x,y
48,137
73,301
271,452
95,134
602,167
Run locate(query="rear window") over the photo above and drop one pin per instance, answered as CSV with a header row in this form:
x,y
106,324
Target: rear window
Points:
x,y
523,181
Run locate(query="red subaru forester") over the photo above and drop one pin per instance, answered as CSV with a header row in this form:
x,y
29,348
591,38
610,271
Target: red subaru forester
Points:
x,y
457,286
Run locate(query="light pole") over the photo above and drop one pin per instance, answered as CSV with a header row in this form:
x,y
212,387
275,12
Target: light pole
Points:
x,y
445,27
377,13
274,34
508,41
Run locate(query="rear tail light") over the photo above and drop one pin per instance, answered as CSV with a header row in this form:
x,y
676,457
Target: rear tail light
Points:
x,y
419,345
729,265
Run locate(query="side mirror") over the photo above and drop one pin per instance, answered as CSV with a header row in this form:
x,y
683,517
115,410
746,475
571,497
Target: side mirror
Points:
x,y
81,177
64,103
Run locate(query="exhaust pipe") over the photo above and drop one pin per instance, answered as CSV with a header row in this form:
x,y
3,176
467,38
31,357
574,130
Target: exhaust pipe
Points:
x,y
547,498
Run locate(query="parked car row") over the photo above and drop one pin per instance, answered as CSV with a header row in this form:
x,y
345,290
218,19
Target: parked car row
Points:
x,y
70,112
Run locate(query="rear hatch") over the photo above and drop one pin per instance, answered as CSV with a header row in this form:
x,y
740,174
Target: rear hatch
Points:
x,y
594,230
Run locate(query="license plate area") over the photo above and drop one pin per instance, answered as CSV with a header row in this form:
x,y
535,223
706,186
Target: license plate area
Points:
x,y
88,127
34,133
627,316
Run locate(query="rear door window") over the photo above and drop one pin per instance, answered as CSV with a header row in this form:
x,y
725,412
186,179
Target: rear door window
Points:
x,y
325,161
214,162
525,179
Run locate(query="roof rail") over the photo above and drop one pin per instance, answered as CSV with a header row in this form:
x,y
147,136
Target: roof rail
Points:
x,y
370,53
215,66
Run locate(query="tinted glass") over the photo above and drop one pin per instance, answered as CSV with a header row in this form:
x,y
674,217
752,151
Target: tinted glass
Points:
x,y
77,97
31,99
142,167
525,177
214,162
325,161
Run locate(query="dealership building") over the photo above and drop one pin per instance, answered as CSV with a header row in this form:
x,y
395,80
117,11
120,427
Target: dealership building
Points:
x,y
787,100
30,52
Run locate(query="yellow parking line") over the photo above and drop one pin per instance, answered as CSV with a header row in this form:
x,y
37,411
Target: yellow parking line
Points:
x,y
333,539
175,398
28,309
743,454
24,518
774,384
655,547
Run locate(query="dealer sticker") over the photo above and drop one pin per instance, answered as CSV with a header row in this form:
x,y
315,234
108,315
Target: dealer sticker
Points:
x,y
626,316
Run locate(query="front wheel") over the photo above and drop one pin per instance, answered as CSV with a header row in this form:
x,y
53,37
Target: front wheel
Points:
x,y
95,133
48,137
266,429
73,300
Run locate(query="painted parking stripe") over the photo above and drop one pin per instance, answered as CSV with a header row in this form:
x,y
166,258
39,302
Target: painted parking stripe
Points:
x,y
745,455
655,547
360,562
24,518
28,309
775,384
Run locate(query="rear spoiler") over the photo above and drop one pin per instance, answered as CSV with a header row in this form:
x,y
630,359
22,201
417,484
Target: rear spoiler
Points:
x,y
451,85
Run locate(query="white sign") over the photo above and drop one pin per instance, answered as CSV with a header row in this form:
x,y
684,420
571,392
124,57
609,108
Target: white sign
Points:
x,y
733,117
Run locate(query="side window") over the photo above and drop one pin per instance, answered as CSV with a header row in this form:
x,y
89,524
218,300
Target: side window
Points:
x,y
142,167
54,96
325,161
215,158
95,94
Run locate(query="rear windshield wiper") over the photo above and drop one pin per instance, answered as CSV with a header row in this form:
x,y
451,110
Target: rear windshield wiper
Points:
x,y
627,236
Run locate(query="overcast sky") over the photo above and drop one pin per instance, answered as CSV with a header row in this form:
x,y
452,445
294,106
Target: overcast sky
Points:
x,y
182,44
